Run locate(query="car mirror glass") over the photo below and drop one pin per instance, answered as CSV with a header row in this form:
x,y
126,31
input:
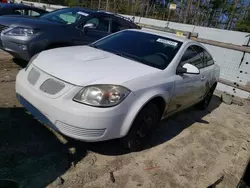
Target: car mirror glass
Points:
x,y
188,69
88,26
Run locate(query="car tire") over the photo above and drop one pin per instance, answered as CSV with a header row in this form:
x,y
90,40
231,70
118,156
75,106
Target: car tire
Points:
x,y
142,128
205,102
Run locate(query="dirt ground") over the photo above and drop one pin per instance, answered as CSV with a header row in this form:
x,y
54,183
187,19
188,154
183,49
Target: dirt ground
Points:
x,y
191,149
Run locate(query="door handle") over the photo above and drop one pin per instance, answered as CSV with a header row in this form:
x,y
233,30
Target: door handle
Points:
x,y
203,78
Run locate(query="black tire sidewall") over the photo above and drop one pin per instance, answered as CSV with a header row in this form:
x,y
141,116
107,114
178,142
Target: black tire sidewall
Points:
x,y
131,139
203,105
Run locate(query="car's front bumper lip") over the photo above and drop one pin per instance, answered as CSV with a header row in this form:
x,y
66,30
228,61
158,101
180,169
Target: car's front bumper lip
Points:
x,y
60,126
68,117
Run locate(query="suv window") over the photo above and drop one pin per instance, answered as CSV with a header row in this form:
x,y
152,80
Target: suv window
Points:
x,y
64,16
102,23
118,25
33,13
20,11
193,57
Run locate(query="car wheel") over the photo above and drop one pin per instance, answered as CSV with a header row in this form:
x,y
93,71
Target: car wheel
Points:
x,y
142,128
205,102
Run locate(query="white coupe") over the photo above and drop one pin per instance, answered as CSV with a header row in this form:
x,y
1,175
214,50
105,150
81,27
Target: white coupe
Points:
x,y
118,87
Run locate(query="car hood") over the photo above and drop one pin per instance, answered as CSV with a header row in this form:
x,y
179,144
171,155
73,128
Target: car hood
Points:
x,y
83,65
26,21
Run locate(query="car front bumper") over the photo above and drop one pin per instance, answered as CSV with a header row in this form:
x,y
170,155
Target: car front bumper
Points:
x,y
73,119
22,47
17,49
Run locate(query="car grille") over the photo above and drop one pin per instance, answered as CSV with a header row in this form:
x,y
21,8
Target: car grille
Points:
x,y
33,76
51,86
3,27
79,131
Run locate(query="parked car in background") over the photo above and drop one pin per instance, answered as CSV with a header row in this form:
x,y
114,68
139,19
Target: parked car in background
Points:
x,y
20,9
25,37
118,87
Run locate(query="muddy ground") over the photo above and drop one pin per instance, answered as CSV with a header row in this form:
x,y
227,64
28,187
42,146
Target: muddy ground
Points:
x,y
191,149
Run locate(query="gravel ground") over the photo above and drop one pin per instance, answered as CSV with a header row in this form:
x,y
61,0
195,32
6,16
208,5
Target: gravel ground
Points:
x,y
192,149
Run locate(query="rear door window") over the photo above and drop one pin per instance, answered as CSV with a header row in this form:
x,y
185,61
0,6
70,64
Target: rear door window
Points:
x,y
33,13
118,25
20,11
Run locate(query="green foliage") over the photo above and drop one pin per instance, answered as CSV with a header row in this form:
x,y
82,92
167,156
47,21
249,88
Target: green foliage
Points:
x,y
244,24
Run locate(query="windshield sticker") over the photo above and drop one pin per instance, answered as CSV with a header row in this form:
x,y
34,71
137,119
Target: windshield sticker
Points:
x,y
164,41
83,13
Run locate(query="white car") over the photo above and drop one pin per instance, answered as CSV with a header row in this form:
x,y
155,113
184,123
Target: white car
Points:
x,y
118,87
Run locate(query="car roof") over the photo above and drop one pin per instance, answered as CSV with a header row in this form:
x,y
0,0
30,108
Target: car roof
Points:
x,y
163,34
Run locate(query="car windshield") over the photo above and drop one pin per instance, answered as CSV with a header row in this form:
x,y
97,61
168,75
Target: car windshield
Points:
x,y
149,49
65,16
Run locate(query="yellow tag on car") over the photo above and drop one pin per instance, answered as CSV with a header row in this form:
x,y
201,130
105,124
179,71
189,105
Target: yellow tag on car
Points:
x,y
179,34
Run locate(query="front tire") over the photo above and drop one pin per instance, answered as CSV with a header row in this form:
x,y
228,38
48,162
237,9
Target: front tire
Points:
x,y
142,127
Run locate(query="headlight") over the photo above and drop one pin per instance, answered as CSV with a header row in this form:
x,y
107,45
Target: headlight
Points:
x,y
31,61
102,95
20,31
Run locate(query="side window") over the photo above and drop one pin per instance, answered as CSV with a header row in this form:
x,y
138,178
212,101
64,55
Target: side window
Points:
x,y
19,11
208,60
102,23
68,17
193,57
119,25
199,50
33,13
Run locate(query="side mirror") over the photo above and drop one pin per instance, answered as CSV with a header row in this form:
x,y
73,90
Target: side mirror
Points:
x,y
188,69
88,26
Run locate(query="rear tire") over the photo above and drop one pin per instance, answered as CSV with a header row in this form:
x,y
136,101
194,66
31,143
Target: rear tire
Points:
x,y
142,128
205,102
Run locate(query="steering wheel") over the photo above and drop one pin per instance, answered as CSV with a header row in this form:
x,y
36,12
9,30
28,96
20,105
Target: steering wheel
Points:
x,y
164,56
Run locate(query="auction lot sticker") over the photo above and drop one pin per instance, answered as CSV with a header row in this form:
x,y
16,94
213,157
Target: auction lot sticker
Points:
x,y
169,42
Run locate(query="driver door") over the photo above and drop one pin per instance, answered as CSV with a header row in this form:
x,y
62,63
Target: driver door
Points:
x,y
102,29
188,87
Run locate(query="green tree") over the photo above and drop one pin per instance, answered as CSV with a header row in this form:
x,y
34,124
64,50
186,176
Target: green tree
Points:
x,y
244,24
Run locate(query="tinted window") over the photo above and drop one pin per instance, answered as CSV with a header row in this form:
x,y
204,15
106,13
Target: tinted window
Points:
x,y
199,50
20,11
149,49
118,26
193,57
33,13
101,23
65,16
208,60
